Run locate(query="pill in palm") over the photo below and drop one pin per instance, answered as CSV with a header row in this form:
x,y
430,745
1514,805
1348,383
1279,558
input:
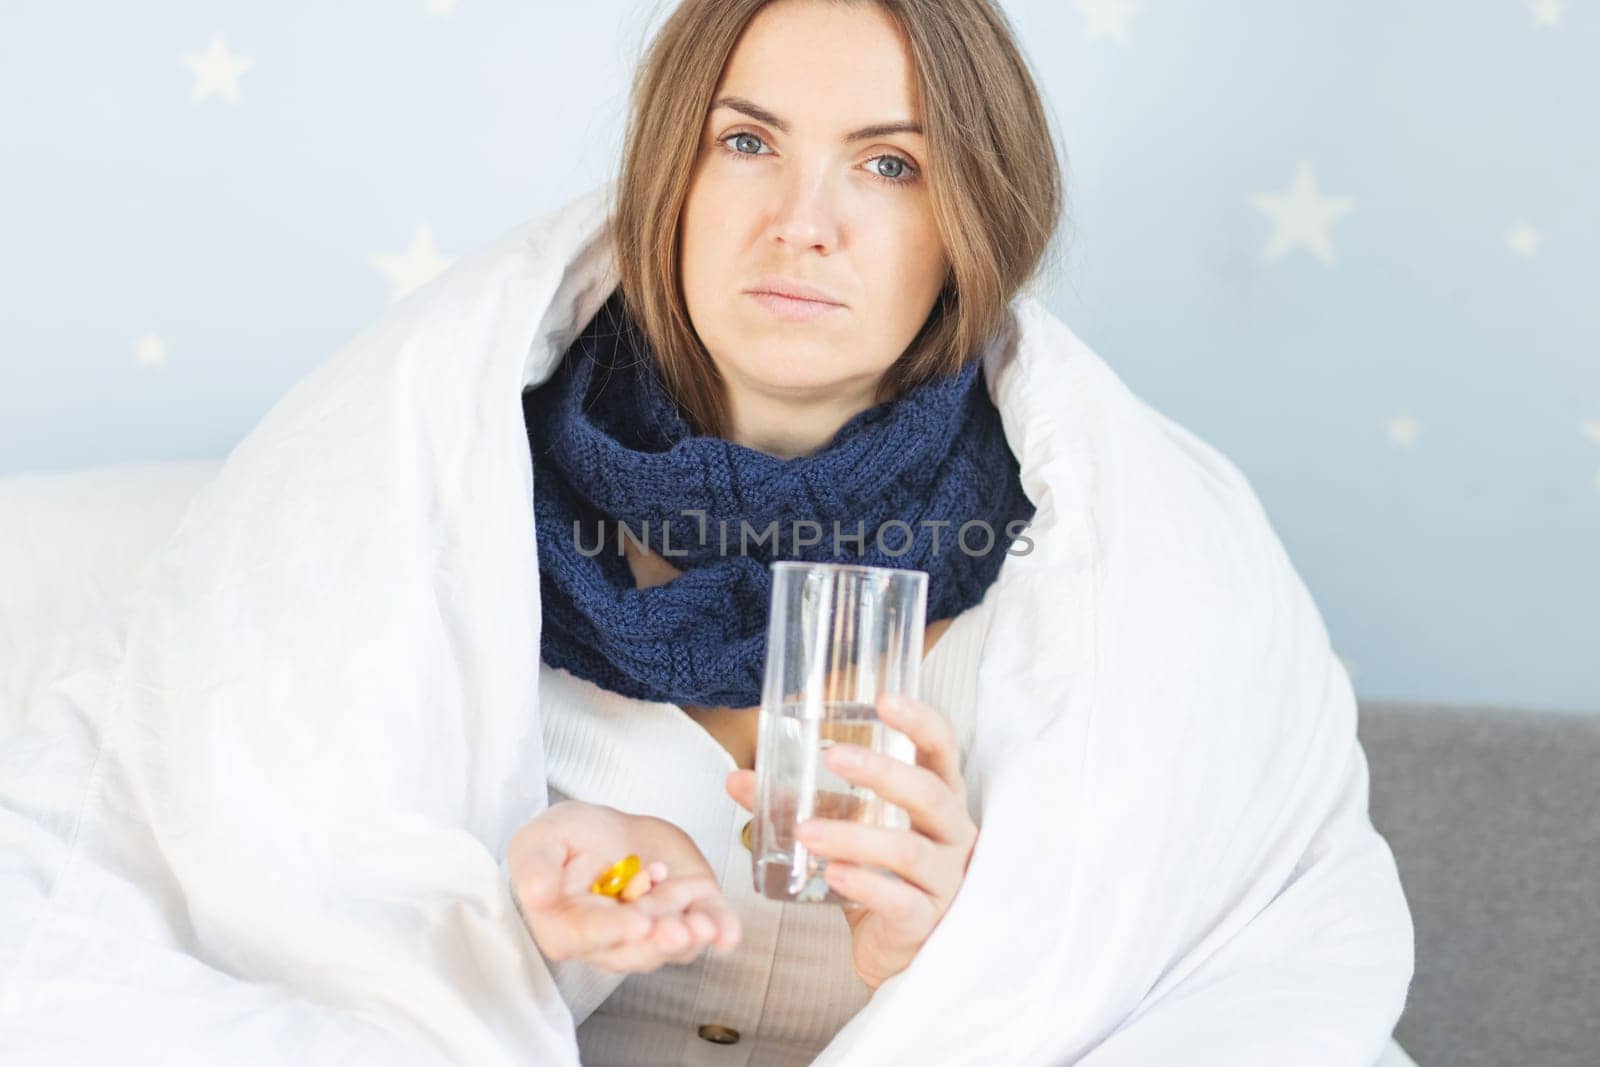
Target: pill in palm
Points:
x,y
612,882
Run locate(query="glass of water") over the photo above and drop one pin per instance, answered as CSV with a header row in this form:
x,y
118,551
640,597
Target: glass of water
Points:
x,y
838,637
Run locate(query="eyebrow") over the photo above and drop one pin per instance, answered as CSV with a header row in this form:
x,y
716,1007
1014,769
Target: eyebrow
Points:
x,y
761,114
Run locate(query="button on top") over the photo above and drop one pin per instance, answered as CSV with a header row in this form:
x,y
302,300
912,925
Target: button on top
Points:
x,y
744,835
722,1035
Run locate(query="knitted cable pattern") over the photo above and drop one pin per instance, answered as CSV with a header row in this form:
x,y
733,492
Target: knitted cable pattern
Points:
x,y
610,446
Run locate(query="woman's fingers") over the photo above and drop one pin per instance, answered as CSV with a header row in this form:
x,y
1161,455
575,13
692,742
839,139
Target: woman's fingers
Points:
x,y
672,922
671,896
592,924
724,921
672,934
701,925
670,940
935,809
707,921
695,906
696,895
912,856
938,748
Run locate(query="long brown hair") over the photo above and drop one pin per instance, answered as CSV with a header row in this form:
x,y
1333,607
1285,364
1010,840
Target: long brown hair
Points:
x,y
994,181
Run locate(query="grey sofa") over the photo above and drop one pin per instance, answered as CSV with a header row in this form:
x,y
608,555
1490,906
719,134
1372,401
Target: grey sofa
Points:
x,y
1493,815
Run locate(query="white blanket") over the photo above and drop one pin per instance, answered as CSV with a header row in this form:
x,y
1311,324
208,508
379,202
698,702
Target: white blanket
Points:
x,y
261,818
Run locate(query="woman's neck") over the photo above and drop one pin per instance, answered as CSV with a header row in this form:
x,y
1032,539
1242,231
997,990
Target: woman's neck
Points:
x,y
789,426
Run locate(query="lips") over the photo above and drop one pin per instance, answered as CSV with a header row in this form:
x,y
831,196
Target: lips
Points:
x,y
794,289
789,294
793,296
794,309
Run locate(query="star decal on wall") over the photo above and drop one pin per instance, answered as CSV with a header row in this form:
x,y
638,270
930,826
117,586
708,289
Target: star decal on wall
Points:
x,y
150,351
1402,431
1107,18
1523,240
419,264
216,72
1547,12
1302,216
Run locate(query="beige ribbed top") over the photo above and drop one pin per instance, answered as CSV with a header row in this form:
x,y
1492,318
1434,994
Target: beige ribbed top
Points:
x,y
788,987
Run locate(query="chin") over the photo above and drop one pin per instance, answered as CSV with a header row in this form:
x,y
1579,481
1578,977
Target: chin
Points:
x,y
792,375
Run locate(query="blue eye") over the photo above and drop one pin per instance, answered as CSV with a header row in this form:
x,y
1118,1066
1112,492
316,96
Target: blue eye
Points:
x,y
736,151
904,166
905,172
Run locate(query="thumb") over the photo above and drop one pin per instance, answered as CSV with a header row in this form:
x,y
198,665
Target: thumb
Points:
x,y
541,889
541,860
545,873
741,786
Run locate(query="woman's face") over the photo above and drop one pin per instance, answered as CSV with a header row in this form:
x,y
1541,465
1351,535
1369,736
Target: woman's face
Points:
x,y
805,178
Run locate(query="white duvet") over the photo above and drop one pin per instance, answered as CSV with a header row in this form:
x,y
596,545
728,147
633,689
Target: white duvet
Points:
x,y
261,816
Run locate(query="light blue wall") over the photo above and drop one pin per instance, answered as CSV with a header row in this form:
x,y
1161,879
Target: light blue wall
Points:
x,y
1419,411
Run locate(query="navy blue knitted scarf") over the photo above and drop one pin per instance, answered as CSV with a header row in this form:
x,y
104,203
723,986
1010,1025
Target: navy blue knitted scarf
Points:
x,y
925,481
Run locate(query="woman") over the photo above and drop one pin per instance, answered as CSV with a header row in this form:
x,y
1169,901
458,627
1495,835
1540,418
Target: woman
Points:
x,y
775,188
285,803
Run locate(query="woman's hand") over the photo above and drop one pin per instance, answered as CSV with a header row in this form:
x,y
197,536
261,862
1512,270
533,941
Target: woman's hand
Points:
x,y
667,913
895,917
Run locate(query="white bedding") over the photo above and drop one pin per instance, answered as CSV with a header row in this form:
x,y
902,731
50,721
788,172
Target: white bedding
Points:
x,y
259,816
70,542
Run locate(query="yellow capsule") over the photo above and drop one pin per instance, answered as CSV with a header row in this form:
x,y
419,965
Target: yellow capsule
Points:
x,y
614,880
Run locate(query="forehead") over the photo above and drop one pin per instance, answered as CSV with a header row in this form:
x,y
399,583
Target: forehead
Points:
x,y
823,66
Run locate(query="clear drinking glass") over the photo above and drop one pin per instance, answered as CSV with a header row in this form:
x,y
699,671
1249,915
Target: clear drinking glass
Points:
x,y
838,637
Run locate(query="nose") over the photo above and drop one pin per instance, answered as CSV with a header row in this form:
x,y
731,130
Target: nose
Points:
x,y
806,217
